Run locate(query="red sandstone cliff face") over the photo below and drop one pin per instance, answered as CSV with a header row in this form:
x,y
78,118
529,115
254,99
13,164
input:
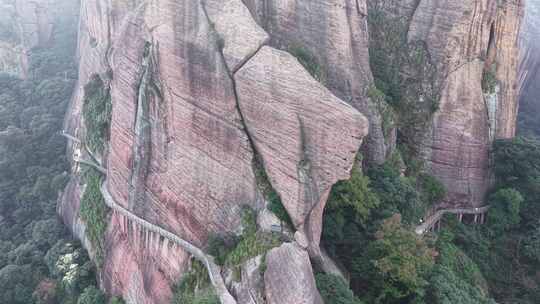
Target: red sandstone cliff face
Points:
x,y
201,88
186,128
465,40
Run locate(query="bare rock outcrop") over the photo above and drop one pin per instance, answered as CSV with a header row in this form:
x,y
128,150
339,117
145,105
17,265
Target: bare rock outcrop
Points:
x,y
466,42
200,168
335,34
307,137
290,262
240,35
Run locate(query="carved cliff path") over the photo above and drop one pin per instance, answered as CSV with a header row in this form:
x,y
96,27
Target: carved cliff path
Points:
x,y
433,221
150,230
214,271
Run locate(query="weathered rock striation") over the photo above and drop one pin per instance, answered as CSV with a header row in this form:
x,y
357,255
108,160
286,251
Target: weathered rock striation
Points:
x,y
335,34
201,89
307,137
529,70
181,149
466,42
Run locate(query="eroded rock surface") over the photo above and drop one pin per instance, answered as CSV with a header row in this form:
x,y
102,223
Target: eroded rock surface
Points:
x,y
307,137
289,277
465,40
240,36
335,33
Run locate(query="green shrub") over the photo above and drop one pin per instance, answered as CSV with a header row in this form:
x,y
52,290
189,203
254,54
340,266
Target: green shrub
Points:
x,y
387,113
117,300
97,109
397,194
401,262
92,295
93,211
232,251
195,287
252,242
531,245
354,192
220,246
432,190
504,211
278,209
274,201
489,81
334,290
309,61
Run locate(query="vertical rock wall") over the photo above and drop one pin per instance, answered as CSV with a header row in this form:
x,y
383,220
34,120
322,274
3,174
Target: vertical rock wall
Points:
x,y
181,145
529,71
465,41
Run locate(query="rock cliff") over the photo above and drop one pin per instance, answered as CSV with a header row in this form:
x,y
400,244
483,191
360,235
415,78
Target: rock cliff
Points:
x,y
529,77
209,95
468,51
193,86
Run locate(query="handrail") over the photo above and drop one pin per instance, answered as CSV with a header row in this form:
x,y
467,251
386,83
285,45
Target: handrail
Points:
x,y
91,164
214,271
71,137
422,228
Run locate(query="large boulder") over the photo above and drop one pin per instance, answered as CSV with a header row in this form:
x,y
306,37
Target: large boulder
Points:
x,y
307,137
289,278
333,34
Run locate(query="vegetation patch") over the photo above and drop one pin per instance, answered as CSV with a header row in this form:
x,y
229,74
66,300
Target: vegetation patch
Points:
x,y
334,290
195,287
309,61
404,77
432,190
97,110
489,80
234,251
271,196
93,211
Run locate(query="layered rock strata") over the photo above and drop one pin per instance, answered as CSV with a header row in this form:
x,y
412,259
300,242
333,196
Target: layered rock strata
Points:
x,y
181,146
334,35
466,42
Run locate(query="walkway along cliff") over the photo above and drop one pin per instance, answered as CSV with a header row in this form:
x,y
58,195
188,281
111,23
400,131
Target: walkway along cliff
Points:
x,y
216,103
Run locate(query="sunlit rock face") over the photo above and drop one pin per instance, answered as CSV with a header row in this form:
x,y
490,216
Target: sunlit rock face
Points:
x,y
306,136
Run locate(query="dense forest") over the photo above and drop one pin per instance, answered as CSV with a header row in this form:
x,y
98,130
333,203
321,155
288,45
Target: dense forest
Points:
x,y
39,261
369,229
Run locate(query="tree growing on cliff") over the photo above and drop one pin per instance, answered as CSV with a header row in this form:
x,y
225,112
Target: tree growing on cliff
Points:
x,y
401,262
91,295
97,109
504,211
